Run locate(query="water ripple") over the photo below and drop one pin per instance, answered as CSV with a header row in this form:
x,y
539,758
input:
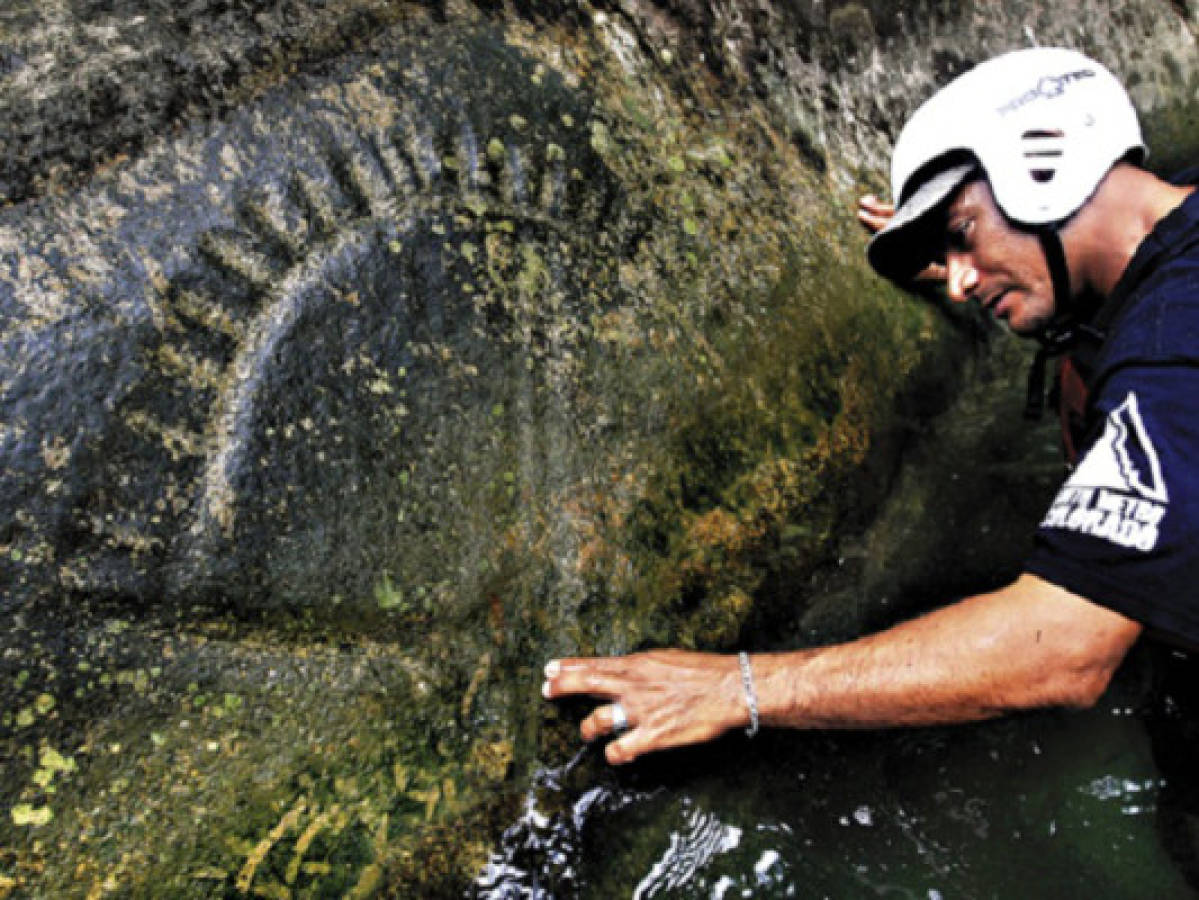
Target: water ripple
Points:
x,y
537,854
702,838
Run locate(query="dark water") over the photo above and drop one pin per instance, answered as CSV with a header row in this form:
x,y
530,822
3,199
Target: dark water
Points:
x,y
1037,805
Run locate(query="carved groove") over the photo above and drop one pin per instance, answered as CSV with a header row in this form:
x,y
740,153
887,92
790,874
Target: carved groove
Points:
x,y
204,312
424,218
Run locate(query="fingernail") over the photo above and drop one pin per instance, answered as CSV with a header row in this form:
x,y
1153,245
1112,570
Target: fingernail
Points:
x,y
552,668
545,690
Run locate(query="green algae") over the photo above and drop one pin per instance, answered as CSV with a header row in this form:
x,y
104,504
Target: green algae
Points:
x,y
1170,132
682,432
286,774
778,390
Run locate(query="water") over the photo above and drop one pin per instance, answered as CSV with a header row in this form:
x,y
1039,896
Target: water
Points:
x,y
1032,806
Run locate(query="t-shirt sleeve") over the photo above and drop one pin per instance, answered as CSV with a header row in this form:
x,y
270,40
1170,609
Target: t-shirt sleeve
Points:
x,y
1122,529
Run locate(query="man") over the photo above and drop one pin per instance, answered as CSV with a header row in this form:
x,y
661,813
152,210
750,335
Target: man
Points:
x,y
1020,179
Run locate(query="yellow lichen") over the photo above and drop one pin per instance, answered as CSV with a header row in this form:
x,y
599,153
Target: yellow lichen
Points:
x,y
257,854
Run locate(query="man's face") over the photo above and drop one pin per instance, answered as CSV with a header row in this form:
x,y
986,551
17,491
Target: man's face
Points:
x,y
989,260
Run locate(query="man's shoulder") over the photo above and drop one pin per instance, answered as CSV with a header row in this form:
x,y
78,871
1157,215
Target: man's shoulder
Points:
x,y
1159,320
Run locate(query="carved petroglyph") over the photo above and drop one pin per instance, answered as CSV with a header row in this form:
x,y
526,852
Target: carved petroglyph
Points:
x,y
292,268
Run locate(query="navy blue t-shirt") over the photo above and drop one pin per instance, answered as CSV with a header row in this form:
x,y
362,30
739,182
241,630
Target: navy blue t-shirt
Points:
x,y
1123,530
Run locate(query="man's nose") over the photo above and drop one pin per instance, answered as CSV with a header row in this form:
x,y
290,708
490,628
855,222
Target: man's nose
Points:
x,y
961,277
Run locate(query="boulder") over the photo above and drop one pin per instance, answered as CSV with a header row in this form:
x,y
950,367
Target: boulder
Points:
x,y
358,357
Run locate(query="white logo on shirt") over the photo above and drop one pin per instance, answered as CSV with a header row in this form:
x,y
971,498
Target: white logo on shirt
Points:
x,y
1117,492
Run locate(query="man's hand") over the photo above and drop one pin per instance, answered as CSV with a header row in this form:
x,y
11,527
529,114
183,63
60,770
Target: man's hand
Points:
x,y
874,214
671,698
1030,644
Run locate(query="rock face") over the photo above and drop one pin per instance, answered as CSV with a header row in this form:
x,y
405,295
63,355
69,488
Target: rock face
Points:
x,y
359,356
84,82
266,346
840,77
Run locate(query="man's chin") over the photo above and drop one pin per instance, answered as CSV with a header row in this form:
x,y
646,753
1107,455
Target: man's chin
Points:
x,y
1026,326
1024,329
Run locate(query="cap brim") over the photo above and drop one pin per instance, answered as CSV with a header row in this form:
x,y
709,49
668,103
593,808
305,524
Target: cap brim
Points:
x,y
908,243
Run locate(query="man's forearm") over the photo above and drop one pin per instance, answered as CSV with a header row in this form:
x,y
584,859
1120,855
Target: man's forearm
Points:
x,y
1030,644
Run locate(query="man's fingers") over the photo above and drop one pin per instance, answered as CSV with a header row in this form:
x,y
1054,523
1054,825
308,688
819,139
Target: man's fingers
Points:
x,y
598,677
873,205
663,698
933,272
635,743
622,751
872,222
874,213
601,722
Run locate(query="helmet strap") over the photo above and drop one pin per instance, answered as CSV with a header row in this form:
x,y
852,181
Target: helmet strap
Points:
x,y
1059,332
1059,274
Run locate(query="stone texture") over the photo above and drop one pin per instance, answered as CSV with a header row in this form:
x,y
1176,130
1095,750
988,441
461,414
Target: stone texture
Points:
x,y
83,83
228,360
359,356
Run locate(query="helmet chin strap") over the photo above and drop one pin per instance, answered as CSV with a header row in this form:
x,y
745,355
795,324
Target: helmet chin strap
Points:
x,y
1058,333
1059,274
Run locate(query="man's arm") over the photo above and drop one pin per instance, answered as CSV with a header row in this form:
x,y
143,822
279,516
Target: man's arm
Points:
x,y
1027,645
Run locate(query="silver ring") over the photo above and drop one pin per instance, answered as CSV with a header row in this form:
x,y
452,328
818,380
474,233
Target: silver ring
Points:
x,y
620,720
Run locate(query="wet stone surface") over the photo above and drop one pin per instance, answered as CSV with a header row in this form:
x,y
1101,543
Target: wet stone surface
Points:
x,y
399,347
84,84
262,334
297,372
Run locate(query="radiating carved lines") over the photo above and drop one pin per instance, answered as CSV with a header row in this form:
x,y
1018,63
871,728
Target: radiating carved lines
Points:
x,y
199,311
230,312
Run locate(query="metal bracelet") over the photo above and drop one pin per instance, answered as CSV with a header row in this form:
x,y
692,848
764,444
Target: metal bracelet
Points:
x,y
751,696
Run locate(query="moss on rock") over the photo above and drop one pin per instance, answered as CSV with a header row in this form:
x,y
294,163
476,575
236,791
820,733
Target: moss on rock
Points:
x,y
549,341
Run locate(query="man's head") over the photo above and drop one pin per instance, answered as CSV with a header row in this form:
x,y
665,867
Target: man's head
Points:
x,y
990,260
1021,141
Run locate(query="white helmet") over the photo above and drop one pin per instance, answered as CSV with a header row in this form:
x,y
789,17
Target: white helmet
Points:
x,y
1044,124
